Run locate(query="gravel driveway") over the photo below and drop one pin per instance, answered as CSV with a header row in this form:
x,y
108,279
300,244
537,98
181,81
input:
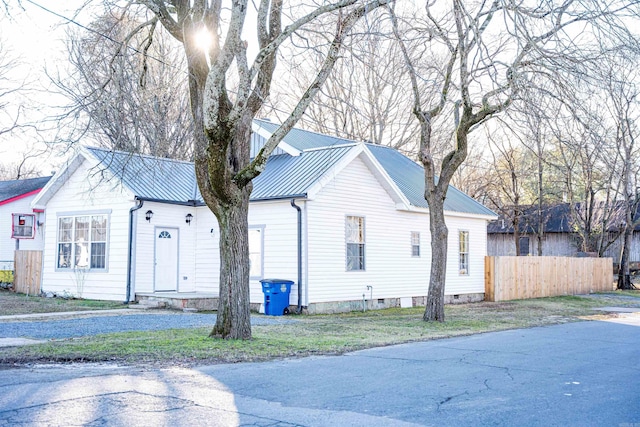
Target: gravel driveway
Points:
x,y
87,326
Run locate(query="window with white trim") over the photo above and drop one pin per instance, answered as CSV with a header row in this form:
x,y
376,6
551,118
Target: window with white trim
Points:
x,y
355,243
463,238
82,242
415,243
23,226
256,244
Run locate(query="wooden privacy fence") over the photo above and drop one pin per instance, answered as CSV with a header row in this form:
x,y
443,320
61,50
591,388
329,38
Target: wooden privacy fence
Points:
x,y
27,272
522,277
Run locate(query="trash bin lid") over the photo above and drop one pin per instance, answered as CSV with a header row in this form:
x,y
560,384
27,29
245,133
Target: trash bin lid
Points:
x,y
277,281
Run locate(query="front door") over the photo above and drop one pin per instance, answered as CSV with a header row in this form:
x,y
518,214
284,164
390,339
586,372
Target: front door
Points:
x,y
166,260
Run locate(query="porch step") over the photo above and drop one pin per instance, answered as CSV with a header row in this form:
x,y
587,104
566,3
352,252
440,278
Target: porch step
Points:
x,y
148,304
188,302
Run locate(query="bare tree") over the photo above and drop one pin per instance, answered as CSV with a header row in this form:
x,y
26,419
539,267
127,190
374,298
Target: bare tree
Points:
x,y
10,112
490,51
129,89
24,167
226,93
623,104
511,168
364,98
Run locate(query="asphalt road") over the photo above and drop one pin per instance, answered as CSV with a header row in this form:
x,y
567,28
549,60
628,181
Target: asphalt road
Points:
x,y
577,374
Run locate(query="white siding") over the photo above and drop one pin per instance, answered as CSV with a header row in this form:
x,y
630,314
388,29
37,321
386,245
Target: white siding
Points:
x,y
280,247
164,216
390,268
81,193
7,244
207,260
473,282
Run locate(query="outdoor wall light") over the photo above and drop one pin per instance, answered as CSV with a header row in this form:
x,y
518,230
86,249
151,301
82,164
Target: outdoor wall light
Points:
x,y
148,215
188,218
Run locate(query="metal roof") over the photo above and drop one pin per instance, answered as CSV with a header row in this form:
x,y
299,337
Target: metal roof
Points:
x,y
407,174
303,139
173,181
287,176
409,177
284,176
151,178
18,187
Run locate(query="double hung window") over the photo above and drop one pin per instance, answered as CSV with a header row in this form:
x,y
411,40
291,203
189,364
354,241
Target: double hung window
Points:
x,y
355,243
82,241
463,238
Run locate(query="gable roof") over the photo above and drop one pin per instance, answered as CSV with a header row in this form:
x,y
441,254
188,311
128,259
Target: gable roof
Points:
x,y
299,139
407,175
18,188
284,176
304,170
150,178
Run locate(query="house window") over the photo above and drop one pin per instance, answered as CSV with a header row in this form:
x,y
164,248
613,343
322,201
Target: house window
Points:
x,y
256,244
355,243
463,238
82,241
415,243
524,246
23,226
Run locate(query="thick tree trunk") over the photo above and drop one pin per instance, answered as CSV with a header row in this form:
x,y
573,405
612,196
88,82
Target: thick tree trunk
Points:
x,y
234,321
434,310
624,277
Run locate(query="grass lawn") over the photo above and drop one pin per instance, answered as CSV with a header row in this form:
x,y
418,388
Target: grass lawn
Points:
x,y
13,303
319,334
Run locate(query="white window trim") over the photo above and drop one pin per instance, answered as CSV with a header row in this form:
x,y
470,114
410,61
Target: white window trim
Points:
x,y
261,228
364,244
415,245
461,271
74,214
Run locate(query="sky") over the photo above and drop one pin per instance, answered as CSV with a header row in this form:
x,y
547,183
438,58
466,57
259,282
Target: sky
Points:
x,y
34,41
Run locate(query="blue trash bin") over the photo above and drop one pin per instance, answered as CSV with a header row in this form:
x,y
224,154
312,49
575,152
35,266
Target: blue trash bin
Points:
x,y
276,296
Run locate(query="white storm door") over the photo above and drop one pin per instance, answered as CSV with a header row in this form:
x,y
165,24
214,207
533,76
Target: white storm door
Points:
x,y
166,259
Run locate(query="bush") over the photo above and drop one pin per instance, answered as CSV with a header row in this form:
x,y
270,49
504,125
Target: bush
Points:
x,y
6,278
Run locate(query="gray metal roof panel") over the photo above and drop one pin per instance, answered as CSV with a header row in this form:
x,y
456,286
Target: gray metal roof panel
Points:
x,y
286,175
169,180
303,139
409,177
151,177
18,187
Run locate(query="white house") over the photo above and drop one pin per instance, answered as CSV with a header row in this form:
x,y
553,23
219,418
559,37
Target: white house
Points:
x,y
20,225
121,227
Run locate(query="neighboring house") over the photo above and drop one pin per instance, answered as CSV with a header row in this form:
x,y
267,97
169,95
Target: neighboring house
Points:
x,y
559,233
20,225
120,226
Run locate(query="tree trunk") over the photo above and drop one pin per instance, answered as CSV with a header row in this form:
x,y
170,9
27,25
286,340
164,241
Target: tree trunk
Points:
x,y
624,277
516,231
434,310
233,320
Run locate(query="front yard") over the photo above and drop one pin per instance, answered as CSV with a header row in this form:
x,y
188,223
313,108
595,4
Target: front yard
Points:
x,y
308,335
13,303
